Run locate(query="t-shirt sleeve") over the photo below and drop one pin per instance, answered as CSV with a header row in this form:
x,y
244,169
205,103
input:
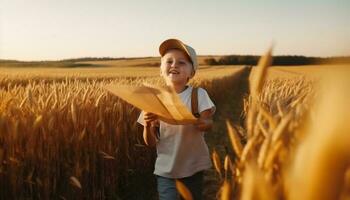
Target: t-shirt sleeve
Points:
x,y
204,101
140,120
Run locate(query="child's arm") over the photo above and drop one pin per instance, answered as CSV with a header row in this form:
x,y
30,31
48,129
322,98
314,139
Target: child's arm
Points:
x,y
150,129
205,121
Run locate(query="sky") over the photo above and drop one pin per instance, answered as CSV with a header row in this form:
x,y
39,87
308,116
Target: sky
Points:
x,y
61,29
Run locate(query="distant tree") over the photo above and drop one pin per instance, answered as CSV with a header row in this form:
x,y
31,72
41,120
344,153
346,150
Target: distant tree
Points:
x,y
277,60
210,61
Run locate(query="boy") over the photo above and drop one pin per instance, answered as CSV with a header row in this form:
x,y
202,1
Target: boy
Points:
x,y
181,149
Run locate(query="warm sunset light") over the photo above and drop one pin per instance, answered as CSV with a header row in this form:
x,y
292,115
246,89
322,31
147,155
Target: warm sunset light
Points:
x,y
157,100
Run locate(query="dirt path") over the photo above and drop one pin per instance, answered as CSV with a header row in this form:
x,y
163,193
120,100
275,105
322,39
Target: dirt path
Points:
x,y
230,109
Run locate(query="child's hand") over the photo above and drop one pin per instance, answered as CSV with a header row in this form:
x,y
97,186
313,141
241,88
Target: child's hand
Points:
x,y
150,118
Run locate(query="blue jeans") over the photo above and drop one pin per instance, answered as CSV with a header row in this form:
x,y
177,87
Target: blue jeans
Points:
x,y
167,189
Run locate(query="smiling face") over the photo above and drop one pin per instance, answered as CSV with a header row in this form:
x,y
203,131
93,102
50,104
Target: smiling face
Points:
x,y
176,68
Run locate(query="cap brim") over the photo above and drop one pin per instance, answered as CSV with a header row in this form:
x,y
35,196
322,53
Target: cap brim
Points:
x,y
172,44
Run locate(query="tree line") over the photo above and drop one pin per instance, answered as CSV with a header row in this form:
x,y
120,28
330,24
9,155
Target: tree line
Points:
x,y
277,60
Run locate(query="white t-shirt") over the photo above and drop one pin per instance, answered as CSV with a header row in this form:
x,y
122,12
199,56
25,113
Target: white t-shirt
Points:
x,y
181,149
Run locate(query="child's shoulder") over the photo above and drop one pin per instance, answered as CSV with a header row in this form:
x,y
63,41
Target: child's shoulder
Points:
x,y
201,91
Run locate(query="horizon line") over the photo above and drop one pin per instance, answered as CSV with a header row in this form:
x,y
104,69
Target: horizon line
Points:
x,y
141,57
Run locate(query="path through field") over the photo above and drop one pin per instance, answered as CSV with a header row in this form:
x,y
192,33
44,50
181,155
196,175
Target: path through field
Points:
x,y
231,109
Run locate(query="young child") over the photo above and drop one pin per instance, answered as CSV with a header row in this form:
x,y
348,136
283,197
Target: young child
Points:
x,y
181,149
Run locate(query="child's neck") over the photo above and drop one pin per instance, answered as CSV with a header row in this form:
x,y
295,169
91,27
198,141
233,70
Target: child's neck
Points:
x,y
179,87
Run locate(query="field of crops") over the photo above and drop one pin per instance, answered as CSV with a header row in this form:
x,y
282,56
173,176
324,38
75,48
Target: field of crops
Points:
x,y
62,136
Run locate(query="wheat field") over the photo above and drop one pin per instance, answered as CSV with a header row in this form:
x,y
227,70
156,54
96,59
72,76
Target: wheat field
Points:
x,y
296,141
279,133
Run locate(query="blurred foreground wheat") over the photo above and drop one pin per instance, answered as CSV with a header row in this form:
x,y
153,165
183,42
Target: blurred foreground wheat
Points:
x,y
297,142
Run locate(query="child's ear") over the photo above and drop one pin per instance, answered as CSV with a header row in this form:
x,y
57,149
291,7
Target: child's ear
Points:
x,y
193,73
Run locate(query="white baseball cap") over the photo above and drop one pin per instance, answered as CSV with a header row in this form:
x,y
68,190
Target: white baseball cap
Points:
x,y
177,44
